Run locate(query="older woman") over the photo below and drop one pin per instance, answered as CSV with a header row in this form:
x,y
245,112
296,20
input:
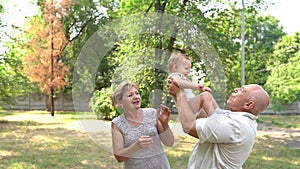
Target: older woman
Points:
x,y
137,133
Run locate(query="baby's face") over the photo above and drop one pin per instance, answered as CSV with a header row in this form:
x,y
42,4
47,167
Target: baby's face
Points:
x,y
184,67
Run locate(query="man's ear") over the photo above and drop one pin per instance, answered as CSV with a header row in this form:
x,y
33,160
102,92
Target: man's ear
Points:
x,y
249,105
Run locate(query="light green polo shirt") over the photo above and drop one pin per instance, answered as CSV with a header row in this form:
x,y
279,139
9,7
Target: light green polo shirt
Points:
x,y
225,140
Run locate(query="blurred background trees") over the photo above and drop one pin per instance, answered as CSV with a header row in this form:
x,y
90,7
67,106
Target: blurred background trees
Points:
x,y
271,57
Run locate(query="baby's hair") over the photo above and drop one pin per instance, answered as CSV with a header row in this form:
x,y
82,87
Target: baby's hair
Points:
x,y
116,96
174,59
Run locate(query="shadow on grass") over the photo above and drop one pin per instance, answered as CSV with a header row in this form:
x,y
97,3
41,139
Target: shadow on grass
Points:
x,y
42,142
263,159
6,113
178,156
273,153
35,145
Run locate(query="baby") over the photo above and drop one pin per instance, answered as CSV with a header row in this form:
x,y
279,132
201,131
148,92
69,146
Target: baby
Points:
x,y
179,67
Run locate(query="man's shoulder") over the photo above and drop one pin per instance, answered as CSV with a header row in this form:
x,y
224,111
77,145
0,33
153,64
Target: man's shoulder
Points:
x,y
222,111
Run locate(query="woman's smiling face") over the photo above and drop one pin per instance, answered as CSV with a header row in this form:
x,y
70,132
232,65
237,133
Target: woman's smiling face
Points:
x,y
131,99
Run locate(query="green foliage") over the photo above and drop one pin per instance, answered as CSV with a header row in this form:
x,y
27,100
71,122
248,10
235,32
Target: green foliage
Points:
x,y
13,82
1,8
1,11
264,33
101,105
284,81
276,105
261,34
83,20
134,57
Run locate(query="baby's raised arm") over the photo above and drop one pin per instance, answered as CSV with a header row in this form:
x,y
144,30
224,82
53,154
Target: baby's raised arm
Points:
x,y
185,83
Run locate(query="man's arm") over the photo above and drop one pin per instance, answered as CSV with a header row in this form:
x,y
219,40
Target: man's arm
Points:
x,y
186,116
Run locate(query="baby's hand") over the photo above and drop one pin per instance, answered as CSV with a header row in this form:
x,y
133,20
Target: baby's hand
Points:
x,y
200,87
204,89
207,89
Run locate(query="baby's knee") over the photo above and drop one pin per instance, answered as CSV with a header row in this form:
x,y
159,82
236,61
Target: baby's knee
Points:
x,y
206,95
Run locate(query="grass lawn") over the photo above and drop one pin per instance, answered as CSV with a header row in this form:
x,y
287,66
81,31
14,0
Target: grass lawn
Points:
x,y
36,140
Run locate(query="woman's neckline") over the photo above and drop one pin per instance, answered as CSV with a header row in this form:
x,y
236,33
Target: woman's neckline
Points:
x,y
135,123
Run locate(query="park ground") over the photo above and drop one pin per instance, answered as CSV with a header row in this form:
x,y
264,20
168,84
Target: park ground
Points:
x,y
36,140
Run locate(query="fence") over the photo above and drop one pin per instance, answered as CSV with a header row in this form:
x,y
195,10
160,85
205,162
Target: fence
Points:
x,y
64,102
293,108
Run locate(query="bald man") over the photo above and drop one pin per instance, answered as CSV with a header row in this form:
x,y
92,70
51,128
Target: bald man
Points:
x,y
226,137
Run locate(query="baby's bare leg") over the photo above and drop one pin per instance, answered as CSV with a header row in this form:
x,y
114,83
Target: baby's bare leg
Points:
x,y
195,104
205,103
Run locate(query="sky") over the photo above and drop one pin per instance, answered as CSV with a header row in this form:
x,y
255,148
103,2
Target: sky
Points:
x,y
15,13
287,12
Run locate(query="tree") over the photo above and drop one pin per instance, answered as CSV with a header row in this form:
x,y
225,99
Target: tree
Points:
x,y
13,82
221,24
261,35
153,40
284,82
83,20
47,41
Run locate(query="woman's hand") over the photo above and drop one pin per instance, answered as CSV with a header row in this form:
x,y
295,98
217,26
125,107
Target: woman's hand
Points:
x,y
145,142
163,114
166,134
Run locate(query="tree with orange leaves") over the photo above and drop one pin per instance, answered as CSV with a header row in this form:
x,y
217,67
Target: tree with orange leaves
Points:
x,y
47,41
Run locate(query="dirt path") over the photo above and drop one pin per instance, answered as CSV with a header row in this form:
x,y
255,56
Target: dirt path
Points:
x,y
290,137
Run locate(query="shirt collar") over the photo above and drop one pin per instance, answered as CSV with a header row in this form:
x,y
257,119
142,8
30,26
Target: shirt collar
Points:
x,y
246,114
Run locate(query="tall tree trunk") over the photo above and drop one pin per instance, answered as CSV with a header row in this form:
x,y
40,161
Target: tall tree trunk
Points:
x,y
159,76
52,102
52,63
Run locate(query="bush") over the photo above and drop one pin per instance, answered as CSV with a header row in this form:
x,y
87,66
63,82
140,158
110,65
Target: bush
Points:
x,y
101,104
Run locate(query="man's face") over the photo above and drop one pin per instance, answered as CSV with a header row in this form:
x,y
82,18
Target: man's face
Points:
x,y
239,97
